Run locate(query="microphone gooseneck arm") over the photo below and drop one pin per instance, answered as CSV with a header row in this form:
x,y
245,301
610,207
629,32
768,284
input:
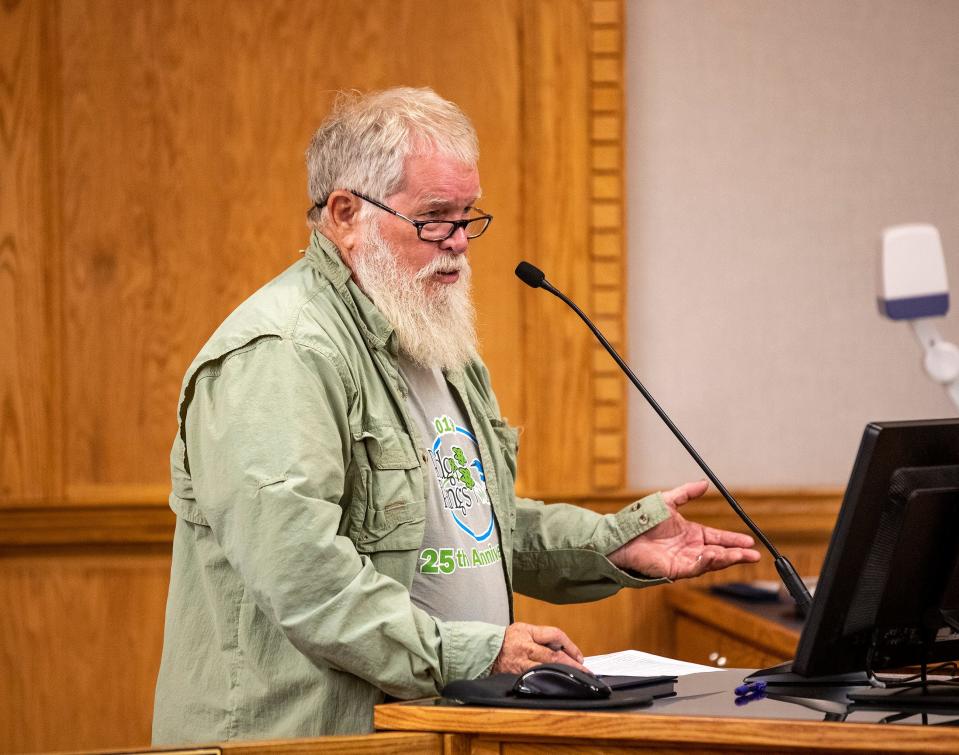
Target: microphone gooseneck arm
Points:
x,y
534,277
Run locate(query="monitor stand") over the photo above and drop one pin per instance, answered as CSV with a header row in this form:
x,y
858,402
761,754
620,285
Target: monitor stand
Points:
x,y
929,698
784,676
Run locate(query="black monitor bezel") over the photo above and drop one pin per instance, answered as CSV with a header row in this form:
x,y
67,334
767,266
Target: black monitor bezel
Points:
x,y
885,447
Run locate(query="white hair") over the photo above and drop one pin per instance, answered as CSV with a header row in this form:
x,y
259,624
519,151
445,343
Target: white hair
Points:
x,y
365,140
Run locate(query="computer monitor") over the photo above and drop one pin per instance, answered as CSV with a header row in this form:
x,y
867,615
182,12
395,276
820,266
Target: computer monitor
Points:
x,y
888,593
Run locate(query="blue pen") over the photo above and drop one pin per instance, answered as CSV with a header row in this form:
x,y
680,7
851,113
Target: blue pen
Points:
x,y
742,700
750,688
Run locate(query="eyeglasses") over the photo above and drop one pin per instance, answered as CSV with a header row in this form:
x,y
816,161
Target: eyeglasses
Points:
x,y
437,230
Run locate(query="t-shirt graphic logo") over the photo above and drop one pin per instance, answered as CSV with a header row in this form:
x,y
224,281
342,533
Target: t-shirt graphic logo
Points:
x,y
461,478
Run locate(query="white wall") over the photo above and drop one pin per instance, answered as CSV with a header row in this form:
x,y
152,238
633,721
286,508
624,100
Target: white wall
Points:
x,y
768,143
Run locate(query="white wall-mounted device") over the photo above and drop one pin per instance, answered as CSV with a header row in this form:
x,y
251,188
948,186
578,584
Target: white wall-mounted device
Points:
x,y
913,287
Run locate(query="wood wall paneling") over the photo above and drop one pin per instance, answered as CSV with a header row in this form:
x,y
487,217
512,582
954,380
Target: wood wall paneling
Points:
x,y
162,150
82,634
184,128
556,449
29,274
149,185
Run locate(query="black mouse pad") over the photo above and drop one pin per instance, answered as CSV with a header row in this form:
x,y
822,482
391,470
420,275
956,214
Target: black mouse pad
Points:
x,y
497,691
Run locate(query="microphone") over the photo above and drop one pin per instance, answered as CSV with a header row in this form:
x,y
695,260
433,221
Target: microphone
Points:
x,y
534,277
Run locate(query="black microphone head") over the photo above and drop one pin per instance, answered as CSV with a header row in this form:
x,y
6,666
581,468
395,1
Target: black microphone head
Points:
x,y
530,274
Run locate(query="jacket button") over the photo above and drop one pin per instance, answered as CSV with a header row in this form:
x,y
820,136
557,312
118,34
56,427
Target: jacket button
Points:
x,y
644,518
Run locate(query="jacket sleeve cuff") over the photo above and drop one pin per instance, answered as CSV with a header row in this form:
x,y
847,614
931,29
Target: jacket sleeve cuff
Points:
x,y
584,572
469,648
635,519
632,520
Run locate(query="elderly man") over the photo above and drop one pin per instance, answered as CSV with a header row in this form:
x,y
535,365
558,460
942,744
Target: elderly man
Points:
x,y
346,526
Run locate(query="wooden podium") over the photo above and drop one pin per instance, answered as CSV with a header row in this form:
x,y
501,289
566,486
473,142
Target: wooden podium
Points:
x,y
704,717
484,731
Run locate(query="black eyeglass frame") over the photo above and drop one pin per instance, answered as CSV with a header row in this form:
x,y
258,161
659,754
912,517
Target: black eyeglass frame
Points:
x,y
420,224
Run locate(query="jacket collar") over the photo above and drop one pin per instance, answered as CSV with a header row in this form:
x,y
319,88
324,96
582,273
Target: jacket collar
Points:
x,y
327,261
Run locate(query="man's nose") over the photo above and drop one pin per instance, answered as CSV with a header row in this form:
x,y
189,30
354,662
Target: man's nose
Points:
x,y
457,243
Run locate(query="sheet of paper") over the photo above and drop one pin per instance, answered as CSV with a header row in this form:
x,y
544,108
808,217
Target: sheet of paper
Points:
x,y
638,663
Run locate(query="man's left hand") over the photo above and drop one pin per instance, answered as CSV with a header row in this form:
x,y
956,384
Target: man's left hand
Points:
x,y
677,548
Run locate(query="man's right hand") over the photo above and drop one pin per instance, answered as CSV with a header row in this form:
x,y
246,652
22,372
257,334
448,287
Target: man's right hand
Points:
x,y
527,645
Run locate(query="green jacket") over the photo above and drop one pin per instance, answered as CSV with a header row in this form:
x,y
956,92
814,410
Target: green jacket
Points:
x,y
299,495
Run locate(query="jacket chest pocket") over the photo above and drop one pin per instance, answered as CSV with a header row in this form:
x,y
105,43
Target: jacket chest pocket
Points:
x,y
388,510
507,438
507,446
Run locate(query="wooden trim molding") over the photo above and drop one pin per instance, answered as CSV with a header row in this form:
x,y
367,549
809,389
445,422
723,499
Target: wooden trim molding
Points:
x,y
573,107
607,239
797,514
107,524
145,519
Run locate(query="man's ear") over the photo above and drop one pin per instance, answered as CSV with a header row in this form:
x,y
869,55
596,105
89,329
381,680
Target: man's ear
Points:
x,y
343,224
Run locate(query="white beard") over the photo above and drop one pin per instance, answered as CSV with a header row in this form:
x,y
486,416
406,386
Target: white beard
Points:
x,y
435,323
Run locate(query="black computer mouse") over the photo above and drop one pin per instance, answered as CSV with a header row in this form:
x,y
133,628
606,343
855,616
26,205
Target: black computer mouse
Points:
x,y
560,681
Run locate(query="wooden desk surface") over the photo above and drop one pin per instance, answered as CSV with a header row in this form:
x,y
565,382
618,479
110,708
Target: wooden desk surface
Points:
x,y
703,717
495,729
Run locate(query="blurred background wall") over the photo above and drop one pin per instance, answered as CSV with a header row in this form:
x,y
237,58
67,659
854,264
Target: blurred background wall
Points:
x,y
769,143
